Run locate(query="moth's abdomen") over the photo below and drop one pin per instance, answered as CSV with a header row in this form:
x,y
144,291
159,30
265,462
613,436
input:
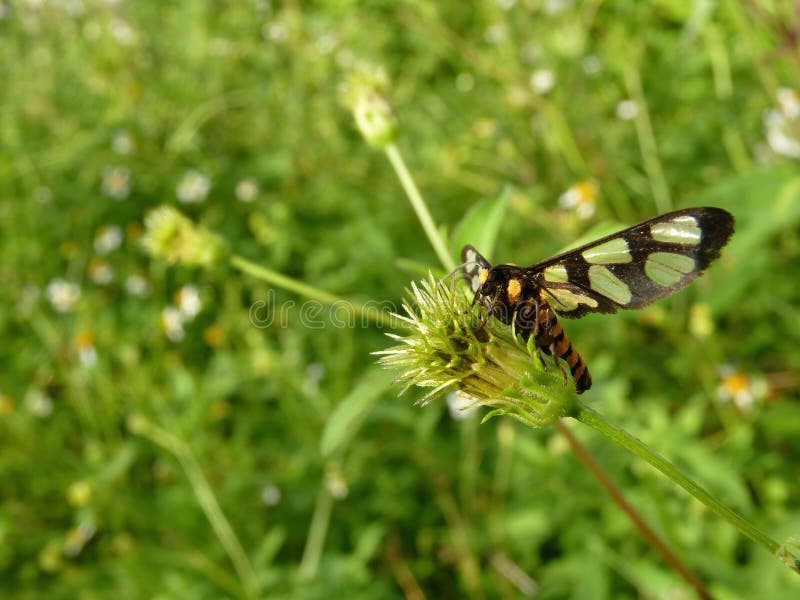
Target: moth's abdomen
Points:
x,y
551,339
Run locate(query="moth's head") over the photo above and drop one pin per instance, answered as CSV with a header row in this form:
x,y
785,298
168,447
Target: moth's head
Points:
x,y
476,268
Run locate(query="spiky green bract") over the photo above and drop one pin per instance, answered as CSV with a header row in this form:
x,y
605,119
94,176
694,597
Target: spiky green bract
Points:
x,y
448,351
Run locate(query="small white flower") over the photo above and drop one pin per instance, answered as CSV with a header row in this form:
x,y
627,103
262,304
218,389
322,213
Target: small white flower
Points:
x,y
780,136
100,272
789,102
137,285
88,356
74,8
107,239
270,494
325,44
542,81
495,34
193,187
247,190
506,4
743,390
591,65
188,301
627,110
336,484
460,405
553,7
116,182
38,403
122,142
274,31
62,294
580,197
122,31
172,323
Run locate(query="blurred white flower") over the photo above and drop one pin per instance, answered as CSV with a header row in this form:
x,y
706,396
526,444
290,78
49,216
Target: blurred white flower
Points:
x,y
107,239
552,7
74,8
137,285
460,405
591,65
627,110
247,190
581,198
506,4
62,294
274,31
789,102
38,403
337,485
172,323
193,187
122,31
122,142
781,133
743,390
100,272
542,81
187,299
270,494
496,33
116,182
84,344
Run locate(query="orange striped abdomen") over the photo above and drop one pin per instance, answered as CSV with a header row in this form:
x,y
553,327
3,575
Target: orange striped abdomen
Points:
x,y
551,339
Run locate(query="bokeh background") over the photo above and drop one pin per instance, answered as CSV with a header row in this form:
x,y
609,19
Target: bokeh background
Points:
x,y
156,443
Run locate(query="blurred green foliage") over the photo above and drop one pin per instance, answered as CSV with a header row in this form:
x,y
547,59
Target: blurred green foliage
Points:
x,y
330,484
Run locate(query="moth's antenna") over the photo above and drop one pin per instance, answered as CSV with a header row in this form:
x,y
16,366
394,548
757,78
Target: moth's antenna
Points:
x,y
454,271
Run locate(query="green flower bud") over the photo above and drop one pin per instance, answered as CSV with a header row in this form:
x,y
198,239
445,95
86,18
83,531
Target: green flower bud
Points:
x,y
364,93
173,237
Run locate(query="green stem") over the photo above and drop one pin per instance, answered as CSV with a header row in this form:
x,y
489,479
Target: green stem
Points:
x,y
317,532
647,141
364,311
589,417
205,497
419,206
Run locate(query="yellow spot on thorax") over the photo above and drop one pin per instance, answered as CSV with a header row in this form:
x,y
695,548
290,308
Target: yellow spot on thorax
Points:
x,y
483,275
514,290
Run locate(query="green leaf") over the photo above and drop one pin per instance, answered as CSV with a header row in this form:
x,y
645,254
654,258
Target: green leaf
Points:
x,y
481,225
347,417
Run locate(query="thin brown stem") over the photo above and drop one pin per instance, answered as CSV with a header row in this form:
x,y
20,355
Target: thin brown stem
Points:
x,y
637,520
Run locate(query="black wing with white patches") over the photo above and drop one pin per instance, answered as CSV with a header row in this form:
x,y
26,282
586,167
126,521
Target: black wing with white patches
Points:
x,y
472,265
631,268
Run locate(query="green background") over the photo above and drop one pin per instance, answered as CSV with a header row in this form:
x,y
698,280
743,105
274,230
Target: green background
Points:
x,y
284,441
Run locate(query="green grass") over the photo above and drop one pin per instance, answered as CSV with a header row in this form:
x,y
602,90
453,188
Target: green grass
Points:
x,y
223,457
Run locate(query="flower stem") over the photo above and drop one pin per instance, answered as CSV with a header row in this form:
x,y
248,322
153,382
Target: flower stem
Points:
x,y
616,495
647,141
418,203
205,497
589,417
303,289
317,532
